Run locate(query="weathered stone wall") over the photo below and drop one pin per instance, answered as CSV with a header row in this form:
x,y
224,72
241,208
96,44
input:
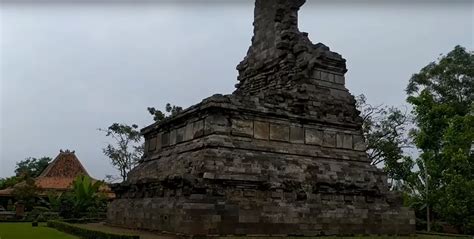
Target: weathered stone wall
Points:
x,y
234,172
256,212
220,125
278,130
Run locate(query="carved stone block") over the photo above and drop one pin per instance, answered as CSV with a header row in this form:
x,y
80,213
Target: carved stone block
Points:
x,y
339,79
324,76
173,137
242,127
216,123
152,144
180,135
329,139
347,144
331,77
146,146
188,132
198,129
297,135
158,141
261,130
279,132
359,143
165,139
314,136
317,75
339,140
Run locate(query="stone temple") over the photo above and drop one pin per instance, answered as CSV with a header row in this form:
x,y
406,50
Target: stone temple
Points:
x,y
282,155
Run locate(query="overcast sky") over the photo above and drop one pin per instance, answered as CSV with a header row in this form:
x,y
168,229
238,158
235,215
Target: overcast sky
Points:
x,y
69,68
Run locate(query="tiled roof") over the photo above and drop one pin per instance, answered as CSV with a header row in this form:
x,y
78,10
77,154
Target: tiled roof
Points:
x,y
6,192
54,183
65,165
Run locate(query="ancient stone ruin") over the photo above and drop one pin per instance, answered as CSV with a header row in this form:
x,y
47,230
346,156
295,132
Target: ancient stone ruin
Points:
x,y
283,155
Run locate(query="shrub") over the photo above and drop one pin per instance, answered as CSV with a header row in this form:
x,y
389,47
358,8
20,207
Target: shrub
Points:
x,y
85,200
82,220
40,218
50,216
86,233
35,212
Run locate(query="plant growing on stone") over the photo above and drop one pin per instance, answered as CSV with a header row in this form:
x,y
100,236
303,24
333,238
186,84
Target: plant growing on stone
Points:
x,y
170,110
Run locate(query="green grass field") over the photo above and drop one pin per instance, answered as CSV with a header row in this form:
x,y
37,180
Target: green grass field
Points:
x,y
26,231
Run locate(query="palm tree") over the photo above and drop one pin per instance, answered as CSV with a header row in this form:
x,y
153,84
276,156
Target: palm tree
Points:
x,y
86,193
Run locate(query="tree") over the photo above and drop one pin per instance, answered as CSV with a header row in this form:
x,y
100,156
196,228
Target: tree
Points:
x,y
26,192
158,115
417,193
442,96
110,179
87,197
31,167
456,200
126,151
27,168
54,201
385,131
8,182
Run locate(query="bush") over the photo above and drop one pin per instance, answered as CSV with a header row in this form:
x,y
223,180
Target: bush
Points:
x,y
35,213
86,233
50,216
82,220
66,207
40,218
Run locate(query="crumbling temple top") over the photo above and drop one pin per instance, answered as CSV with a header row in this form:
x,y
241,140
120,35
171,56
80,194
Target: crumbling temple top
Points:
x,y
283,53
284,68
283,154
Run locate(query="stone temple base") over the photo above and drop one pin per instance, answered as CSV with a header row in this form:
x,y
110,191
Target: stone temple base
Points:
x,y
221,168
283,155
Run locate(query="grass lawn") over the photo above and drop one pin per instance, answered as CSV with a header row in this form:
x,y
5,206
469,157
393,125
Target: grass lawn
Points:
x,y
26,231
117,230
